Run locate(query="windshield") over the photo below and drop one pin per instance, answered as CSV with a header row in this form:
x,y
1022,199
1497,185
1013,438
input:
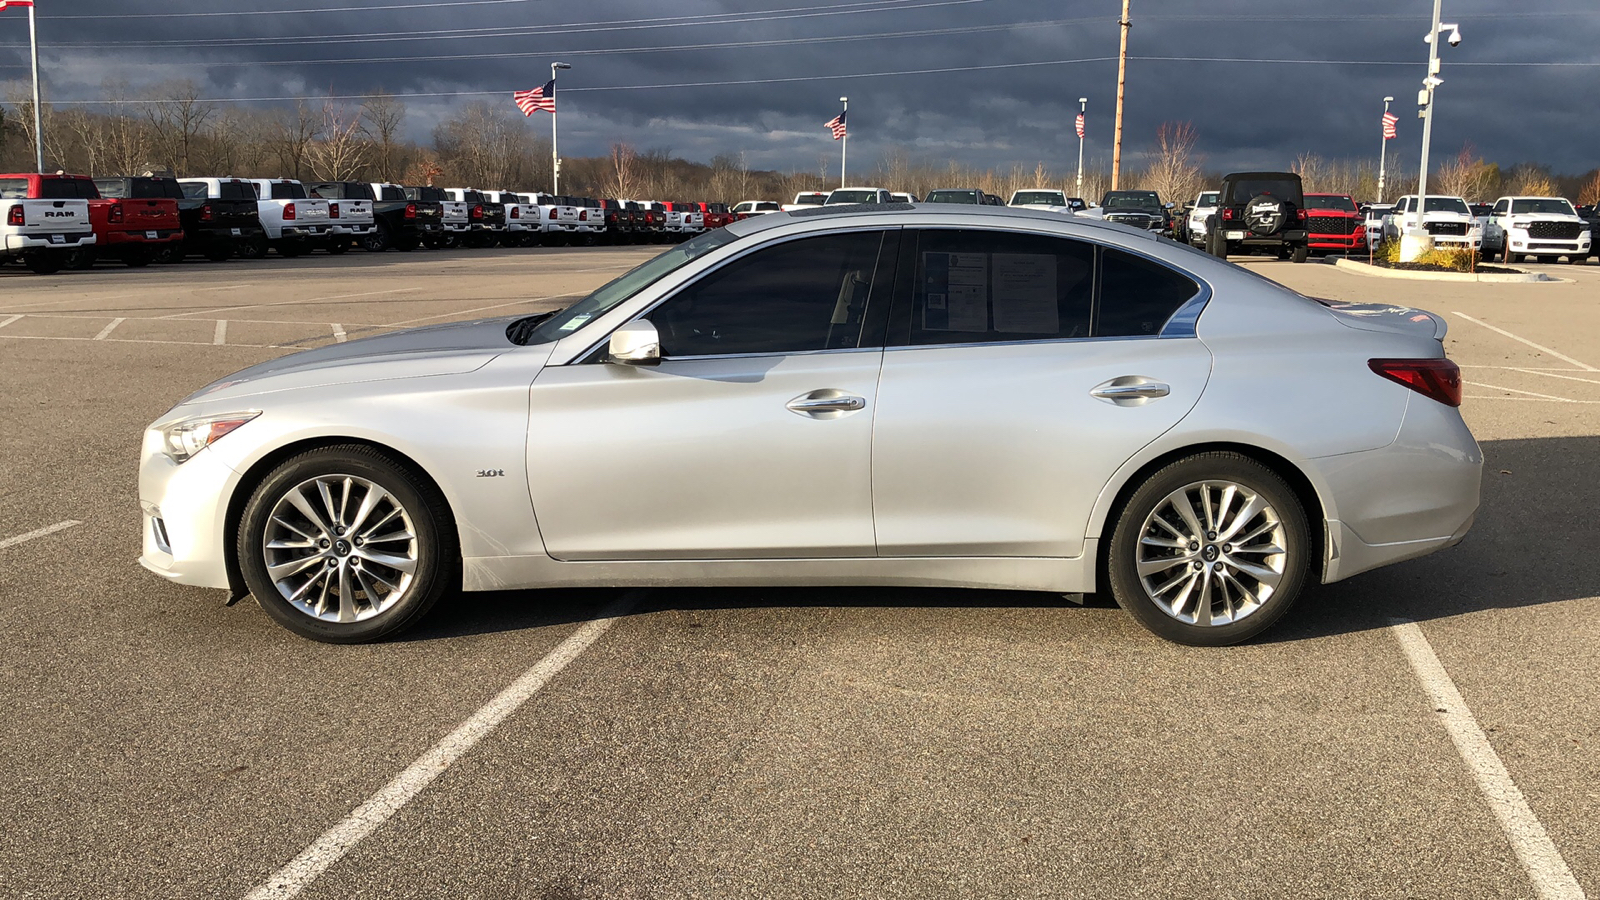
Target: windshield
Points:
x,y
853,197
1543,205
627,285
951,197
1446,204
1209,198
1343,204
1137,199
1038,198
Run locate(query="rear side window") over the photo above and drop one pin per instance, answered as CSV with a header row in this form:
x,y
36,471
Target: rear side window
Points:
x,y
67,189
111,187
13,188
148,190
391,194
283,190
1137,295
973,287
805,294
355,190
235,190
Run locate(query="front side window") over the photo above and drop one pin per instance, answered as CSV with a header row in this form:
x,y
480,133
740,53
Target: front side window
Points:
x,y
800,295
1138,295
988,286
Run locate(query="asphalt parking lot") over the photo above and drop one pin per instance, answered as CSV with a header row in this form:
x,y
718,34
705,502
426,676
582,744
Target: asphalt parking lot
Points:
x,y
860,742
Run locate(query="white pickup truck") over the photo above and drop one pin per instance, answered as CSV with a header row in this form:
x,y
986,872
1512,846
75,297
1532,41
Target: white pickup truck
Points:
x,y
41,232
1541,227
522,218
560,219
350,214
293,220
591,218
1448,219
806,200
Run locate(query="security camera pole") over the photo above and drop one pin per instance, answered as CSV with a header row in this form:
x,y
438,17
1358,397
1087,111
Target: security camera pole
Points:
x,y
555,158
1416,240
1383,148
1122,79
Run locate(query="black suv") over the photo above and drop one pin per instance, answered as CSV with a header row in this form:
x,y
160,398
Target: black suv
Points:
x,y
1139,209
1260,209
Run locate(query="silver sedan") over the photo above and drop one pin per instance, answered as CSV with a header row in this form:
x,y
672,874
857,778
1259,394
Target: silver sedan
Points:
x,y
912,395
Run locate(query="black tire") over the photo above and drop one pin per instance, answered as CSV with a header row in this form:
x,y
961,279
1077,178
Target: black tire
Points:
x,y
138,259
219,251
44,262
81,259
1219,245
253,247
291,249
338,245
1291,527
378,239
171,254
1267,215
1506,256
1300,253
437,568
406,243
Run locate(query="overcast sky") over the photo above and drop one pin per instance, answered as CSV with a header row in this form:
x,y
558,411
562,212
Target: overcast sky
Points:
x,y
1250,114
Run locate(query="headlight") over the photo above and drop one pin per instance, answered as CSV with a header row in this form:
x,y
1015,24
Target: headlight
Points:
x,y
186,437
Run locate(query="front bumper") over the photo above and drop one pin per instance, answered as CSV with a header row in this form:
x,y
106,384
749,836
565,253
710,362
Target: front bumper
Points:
x,y
184,515
1522,243
20,242
1337,241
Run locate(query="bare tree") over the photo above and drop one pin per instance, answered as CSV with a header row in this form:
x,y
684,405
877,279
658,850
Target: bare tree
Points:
x,y
290,134
1467,176
177,117
1528,179
342,149
621,182
1174,170
382,117
483,146
1590,192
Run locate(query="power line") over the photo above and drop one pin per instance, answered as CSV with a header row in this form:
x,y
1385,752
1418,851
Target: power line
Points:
x,y
286,12
445,34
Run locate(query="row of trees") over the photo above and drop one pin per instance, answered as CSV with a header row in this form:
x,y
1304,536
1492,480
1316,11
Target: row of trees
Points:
x,y
169,127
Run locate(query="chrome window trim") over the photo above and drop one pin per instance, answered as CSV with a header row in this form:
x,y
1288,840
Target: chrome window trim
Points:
x,y
1025,341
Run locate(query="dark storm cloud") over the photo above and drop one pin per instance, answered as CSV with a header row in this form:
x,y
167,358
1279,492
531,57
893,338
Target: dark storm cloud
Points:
x,y
1249,114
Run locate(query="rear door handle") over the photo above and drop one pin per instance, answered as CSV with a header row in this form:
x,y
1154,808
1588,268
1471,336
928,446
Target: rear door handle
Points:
x,y
826,403
1130,390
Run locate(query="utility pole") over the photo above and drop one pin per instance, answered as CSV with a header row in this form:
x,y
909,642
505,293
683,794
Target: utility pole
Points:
x,y
1083,110
38,116
1122,80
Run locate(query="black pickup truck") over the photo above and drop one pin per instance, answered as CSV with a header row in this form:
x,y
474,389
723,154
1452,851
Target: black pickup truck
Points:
x,y
429,202
624,220
212,226
487,218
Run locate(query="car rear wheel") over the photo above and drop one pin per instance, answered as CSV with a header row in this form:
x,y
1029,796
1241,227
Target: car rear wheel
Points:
x,y
1211,550
378,239
1506,255
252,247
342,545
44,262
1300,253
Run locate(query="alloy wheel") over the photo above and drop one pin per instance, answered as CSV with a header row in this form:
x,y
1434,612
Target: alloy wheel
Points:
x,y
1211,553
340,548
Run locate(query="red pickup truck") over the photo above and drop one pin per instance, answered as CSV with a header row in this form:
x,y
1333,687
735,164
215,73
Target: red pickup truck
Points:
x,y
132,230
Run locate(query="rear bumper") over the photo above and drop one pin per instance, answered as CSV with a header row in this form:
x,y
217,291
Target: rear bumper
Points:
x,y
115,239
295,232
1247,238
17,243
353,230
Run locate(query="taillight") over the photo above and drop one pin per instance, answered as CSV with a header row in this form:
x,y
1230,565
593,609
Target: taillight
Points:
x,y
205,213
411,210
14,216
333,210
1300,214
552,214
1227,215
583,215
288,212
115,213
477,212
1438,379
516,212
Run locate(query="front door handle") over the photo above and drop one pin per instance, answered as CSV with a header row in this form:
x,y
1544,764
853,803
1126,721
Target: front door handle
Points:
x,y
826,403
1130,390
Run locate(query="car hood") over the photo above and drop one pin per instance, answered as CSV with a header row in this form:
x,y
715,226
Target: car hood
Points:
x,y
451,349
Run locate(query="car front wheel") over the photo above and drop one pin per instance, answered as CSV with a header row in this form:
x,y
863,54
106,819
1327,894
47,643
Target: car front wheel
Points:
x,y
344,546
1210,550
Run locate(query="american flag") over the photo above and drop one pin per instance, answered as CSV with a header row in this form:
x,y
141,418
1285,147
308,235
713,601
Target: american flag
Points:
x,y
1080,124
539,98
837,124
1389,120
18,3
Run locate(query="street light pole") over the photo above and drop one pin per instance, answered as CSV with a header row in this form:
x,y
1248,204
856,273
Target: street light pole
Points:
x,y
38,117
555,157
1083,110
1383,146
1416,240
1122,80
844,142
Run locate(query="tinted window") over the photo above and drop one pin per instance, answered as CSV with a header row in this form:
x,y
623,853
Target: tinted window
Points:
x,y
1314,201
1134,199
283,190
1245,189
983,286
1049,198
1137,295
951,197
67,189
235,190
391,194
1543,205
807,294
13,188
110,187
194,190
152,188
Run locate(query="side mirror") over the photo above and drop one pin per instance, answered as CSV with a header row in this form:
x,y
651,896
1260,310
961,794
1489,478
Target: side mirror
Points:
x,y
635,344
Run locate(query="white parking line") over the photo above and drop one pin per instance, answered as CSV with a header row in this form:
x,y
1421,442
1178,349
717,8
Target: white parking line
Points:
x,y
221,334
1540,347
1496,387
9,320
1552,880
338,333
106,331
200,312
38,533
392,797
464,312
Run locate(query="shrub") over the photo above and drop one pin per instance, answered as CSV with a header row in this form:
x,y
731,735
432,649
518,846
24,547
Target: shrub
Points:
x,y
1388,252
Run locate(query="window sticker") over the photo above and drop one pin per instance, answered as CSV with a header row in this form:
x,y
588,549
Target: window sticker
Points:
x,y
955,288
1025,293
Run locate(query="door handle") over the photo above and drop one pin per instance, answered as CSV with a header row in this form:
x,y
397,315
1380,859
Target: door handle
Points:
x,y
827,403
1130,390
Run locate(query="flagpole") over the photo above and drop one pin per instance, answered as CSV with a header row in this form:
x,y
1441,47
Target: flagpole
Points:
x,y
1383,145
844,142
1083,109
38,118
555,157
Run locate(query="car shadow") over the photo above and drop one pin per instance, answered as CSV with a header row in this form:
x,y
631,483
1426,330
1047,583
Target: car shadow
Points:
x,y
1532,544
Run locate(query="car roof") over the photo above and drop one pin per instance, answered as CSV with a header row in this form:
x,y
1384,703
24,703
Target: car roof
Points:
x,y
897,213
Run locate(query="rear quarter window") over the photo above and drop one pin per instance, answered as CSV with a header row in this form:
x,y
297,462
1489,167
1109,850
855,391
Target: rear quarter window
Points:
x,y
1138,295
